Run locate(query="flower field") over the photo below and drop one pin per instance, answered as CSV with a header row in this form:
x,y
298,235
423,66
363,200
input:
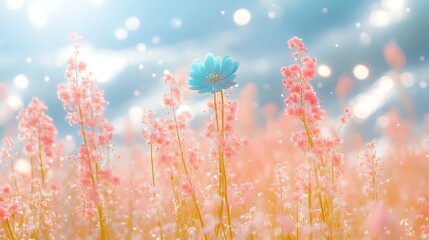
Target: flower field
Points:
x,y
239,172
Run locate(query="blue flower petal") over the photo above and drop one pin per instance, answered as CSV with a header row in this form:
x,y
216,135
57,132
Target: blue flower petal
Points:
x,y
206,89
198,84
217,65
196,75
227,68
236,65
200,71
230,78
203,70
209,63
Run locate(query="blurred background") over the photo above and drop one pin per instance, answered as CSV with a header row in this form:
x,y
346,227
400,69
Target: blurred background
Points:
x,y
373,56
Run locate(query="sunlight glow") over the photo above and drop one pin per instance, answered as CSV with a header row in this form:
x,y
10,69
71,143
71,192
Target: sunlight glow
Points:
x,y
242,17
361,72
97,2
324,70
393,5
379,18
37,15
370,101
15,4
135,113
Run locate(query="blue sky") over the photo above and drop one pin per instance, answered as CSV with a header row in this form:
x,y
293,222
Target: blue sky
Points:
x,y
130,43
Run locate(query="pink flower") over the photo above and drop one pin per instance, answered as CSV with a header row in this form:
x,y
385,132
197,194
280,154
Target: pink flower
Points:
x,y
297,43
36,128
5,189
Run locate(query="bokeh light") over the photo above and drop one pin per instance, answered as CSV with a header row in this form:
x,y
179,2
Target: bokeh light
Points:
x,y
407,79
176,22
141,47
242,17
365,39
272,15
132,23
21,81
22,166
156,40
69,143
361,72
14,102
121,33
324,71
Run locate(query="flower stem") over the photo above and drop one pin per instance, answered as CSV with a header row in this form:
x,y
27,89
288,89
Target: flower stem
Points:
x,y
9,229
223,187
103,235
154,195
182,158
228,210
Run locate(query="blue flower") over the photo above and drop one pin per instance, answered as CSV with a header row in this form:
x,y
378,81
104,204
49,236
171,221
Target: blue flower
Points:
x,y
212,75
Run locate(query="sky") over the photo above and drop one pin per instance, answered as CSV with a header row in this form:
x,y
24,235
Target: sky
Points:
x,y
129,44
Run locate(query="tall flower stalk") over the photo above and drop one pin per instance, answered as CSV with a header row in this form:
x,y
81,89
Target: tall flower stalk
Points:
x,y
38,132
324,165
214,75
172,100
85,104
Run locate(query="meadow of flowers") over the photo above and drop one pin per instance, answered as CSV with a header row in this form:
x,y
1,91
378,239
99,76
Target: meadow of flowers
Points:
x,y
244,173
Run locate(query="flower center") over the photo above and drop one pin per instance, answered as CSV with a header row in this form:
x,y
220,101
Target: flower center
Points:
x,y
212,77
